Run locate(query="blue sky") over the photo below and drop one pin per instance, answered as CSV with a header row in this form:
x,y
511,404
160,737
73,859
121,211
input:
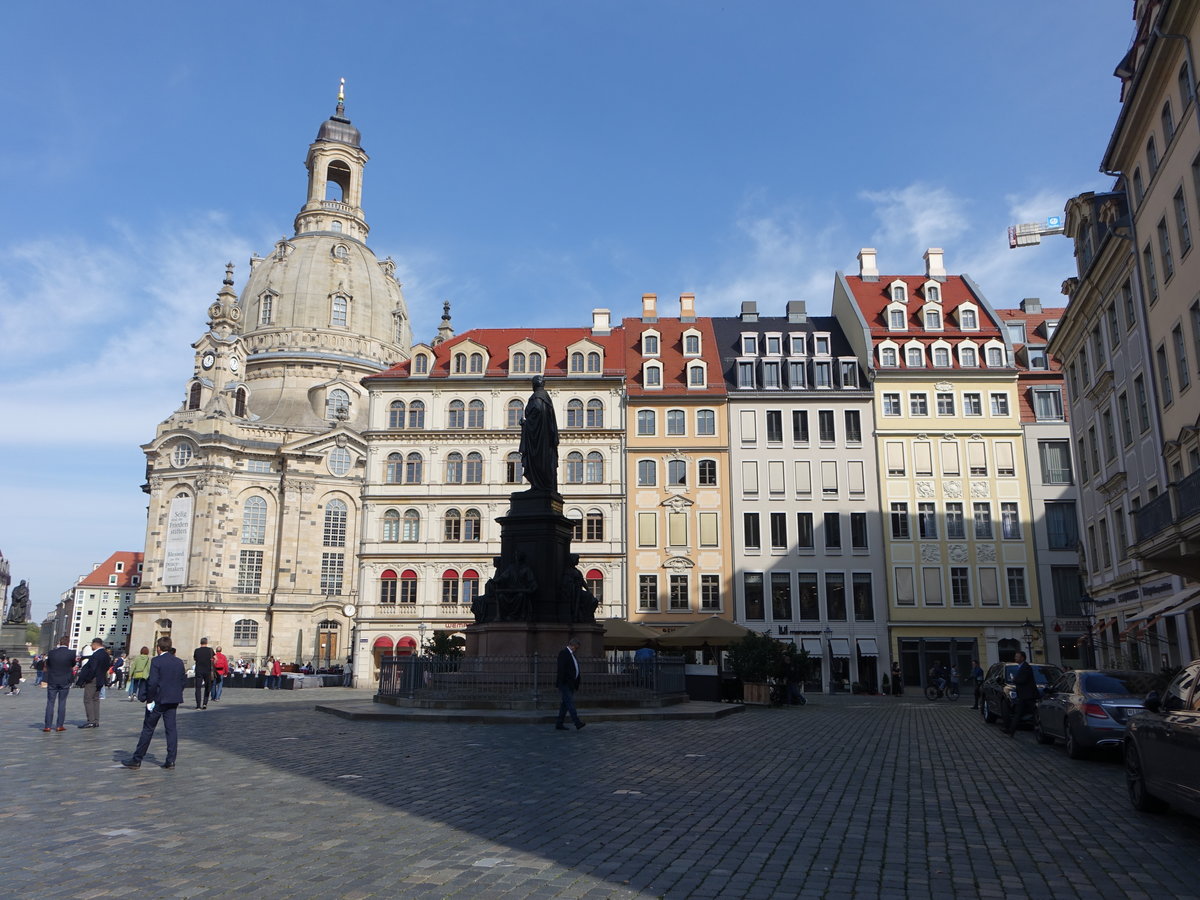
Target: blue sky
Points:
x,y
546,157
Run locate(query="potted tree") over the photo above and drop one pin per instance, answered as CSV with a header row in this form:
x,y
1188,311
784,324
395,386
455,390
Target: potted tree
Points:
x,y
756,659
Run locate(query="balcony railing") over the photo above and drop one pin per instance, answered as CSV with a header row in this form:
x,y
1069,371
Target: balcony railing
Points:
x,y
1180,502
1188,493
1154,517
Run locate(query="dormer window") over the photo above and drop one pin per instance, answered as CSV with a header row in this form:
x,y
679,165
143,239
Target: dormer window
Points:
x,y
476,363
517,366
577,363
898,291
594,363
535,362
941,357
915,357
933,293
888,357
649,344
774,345
460,364
968,356
933,320
896,319
691,343
337,405
1051,327
849,374
821,344
749,345
995,357
968,319
420,364
1016,332
652,375
120,566
771,375
266,305
697,376
797,342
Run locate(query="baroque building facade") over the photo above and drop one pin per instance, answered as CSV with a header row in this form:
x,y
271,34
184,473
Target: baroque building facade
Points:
x,y
255,481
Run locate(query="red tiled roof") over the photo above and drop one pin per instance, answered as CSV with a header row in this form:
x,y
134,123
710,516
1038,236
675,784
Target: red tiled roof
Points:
x,y
1029,378
674,363
99,577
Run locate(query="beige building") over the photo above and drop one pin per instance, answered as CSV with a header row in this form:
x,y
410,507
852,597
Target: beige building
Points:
x,y
101,605
255,481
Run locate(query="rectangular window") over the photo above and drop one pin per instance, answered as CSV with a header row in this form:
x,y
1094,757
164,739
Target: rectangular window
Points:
x,y
804,530
923,458
250,564
795,373
927,521
1017,595
806,596
918,404
1114,328
905,591
972,405
1128,303
745,374
853,426
648,593
856,477
858,531
677,529
945,403
1083,468
899,517
1182,223
710,593
800,426
775,481
781,596
1143,406
960,586
647,529
1151,278
833,531
1006,463
771,375
1164,376
950,461
678,600
823,374
803,477
983,521
835,596
1181,357
891,404
989,587
864,600
752,590
709,529
1194,314
774,426
894,454
976,458
779,539
332,568
931,581
1055,457
999,404
825,426
829,478
1110,436
750,531
749,477
1164,248
1047,404
1062,526
956,529
1010,522
1126,422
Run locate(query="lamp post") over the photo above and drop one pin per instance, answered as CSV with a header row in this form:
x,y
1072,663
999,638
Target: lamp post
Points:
x,y
1087,605
1027,633
828,632
421,632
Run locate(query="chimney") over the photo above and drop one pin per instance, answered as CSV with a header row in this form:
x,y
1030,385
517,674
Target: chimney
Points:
x,y
1031,305
601,322
935,268
749,311
649,307
687,307
797,312
867,269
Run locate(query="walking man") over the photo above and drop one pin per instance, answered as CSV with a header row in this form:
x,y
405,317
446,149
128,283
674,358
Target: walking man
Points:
x,y
164,693
57,669
977,677
92,677
567,681
204,671
1027,695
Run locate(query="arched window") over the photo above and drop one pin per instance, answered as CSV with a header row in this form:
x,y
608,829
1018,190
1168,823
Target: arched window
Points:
x,y
450,586
239,402
897,320
518,362
408,586
339,313
387,586
696,375
420,364
516,410
254,521
676,472
396,412
513,470
470,586
475,414
968,319
476,363
932,294
454,468
941,356
593,526
995,357
595,583
574,467
691,344
595,468
887,357
706,422
391,526
933,320
452,525
574,413
265,302
245,633
595,414
576,521
416,414
456,415
593,362
394,468
535,362
576,361
194,396
472,521
647,473
412,526
336,515
653,376
474,469
967,357
460,363
675,422
645,422
898,295
337,405
414,468
915,357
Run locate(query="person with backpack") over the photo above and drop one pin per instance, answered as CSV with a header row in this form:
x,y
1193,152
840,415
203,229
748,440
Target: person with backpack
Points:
x,y
14,677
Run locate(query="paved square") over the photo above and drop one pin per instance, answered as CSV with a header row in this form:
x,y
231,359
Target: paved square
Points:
x,y
846,797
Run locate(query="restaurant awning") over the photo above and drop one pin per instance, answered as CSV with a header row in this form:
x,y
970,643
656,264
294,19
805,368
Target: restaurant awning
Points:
x,y
839,646
384,642
812,646
867,647
1160,607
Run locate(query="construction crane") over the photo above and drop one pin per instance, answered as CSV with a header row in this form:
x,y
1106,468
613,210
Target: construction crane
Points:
x,y
1030,234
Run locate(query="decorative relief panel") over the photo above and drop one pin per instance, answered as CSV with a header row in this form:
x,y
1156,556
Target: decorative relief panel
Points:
x,y
979,488
924,488
985,552
952,488
957,553
930,553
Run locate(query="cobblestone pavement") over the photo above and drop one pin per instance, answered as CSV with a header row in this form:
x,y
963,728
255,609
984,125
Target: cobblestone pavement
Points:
x,y
846,797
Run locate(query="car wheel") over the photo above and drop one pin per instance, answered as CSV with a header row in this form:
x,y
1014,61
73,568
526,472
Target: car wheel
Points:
x,y
1135,782
1039,733
988,715
1075,749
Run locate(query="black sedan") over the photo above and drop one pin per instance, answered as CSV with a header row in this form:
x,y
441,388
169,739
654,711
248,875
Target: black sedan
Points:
x,y
1090,708
998,693
1162,747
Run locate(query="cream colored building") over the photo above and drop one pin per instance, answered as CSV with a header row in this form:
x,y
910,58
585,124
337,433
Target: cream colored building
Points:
x,y
255,480
102,603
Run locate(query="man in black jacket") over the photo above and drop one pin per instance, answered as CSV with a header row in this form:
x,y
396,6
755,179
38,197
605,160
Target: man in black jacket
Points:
x,y
58,668
203,657
164,693
92,677
566,680
1027,694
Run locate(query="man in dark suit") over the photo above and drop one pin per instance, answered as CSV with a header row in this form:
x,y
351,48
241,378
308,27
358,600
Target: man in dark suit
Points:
x,y
92,677
203,656
57,671
567,681
164,693
1027,694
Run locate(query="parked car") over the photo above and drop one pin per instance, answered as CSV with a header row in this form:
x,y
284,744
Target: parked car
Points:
x,y
1090,708
998,690
1162,747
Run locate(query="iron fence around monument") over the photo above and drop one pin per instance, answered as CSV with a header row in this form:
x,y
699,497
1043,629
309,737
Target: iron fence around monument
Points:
x,y
527,681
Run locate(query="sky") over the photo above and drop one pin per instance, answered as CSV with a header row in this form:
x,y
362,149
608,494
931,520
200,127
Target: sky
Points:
x,y
530,160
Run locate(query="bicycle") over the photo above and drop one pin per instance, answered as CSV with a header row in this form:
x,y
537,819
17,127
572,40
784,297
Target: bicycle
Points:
x,y
933,692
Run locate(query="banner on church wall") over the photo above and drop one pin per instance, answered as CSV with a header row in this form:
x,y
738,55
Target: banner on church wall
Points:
x,y
178,543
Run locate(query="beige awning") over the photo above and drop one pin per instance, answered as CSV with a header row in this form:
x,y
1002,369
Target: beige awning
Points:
x,y
622,635
713,631
867,647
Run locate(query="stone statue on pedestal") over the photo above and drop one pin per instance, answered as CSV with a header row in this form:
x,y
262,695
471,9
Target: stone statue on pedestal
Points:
x,y
539,439
18,610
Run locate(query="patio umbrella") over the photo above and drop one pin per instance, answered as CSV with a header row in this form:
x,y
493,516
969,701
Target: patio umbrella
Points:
x,y
714,631
622,635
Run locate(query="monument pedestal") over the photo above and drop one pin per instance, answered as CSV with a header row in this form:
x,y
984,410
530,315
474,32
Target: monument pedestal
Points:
x,y
12,639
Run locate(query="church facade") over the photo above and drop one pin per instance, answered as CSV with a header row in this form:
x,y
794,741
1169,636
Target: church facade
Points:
x,y
255,480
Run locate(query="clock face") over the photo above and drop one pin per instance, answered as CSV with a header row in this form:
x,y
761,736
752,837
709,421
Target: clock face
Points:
x,y
234,364
349,609
208,360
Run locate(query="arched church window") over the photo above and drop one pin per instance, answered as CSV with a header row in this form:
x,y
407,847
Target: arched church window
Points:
x,y
265,309
336,514
339,315
245,633
239,403
337,405
194,396
254,521
337,181
335,225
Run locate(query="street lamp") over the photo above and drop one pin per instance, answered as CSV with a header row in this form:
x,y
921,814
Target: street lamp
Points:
x,y
1087,605
421,632
1027,629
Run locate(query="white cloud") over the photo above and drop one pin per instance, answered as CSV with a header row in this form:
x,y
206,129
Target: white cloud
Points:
x,y
913,219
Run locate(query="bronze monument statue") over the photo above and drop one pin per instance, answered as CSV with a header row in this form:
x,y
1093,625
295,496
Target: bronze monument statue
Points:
x,y
18,610
578,602
539,440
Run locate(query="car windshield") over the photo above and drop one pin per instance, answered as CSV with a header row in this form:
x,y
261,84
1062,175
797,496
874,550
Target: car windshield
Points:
x,y
1041,674
1134,684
